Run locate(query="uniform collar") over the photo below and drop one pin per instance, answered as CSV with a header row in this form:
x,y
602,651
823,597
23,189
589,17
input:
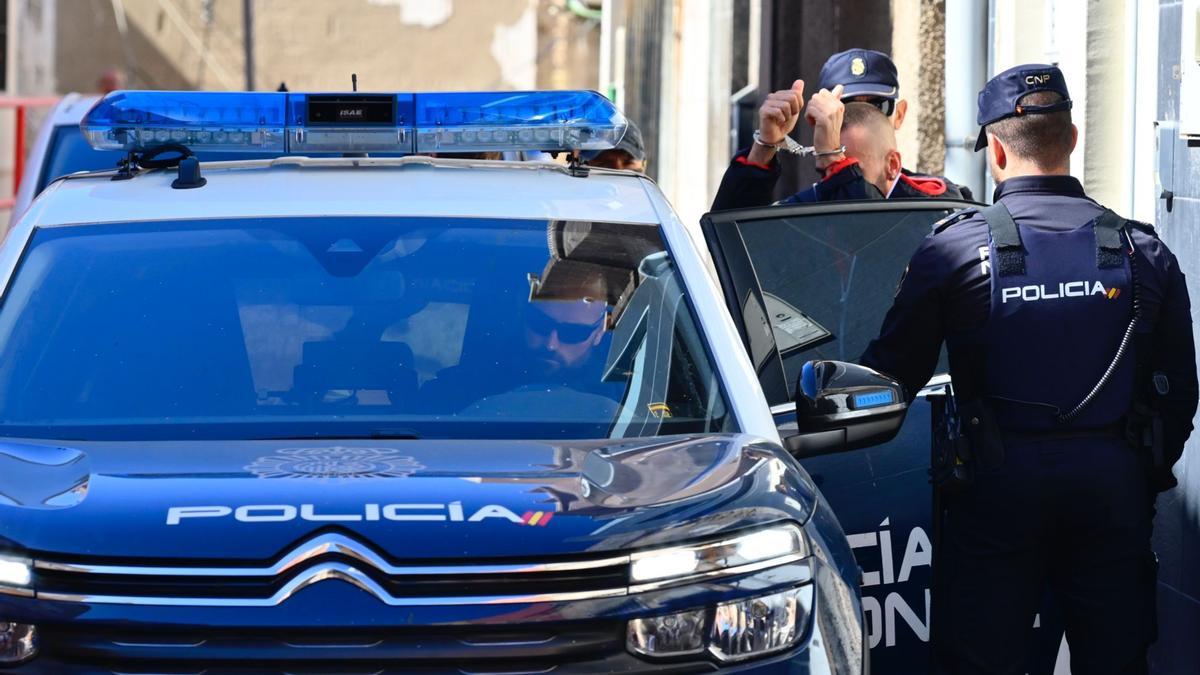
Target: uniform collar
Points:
x,y
892,189
1048,185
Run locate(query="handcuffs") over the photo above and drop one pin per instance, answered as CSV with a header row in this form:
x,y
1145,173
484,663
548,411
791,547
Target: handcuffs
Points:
x,y
789,144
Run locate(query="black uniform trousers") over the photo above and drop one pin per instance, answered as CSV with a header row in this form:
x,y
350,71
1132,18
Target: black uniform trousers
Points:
x,y
1072,514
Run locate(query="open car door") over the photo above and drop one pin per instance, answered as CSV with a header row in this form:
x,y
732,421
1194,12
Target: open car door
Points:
x,y
815,281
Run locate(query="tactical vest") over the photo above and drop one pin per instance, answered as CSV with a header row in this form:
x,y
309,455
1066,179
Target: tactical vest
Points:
x,y
1062,306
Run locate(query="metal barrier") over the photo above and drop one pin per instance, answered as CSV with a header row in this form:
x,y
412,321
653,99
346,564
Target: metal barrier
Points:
x,y
20,105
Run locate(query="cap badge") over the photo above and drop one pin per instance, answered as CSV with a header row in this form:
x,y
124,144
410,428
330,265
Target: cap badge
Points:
x,y
858,66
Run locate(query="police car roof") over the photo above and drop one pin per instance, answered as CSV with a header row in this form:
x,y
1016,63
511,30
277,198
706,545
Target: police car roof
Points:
x,y
303,186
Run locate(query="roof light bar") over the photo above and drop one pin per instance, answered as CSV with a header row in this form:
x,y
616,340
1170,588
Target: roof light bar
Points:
x,y
337,123
230,122
546,120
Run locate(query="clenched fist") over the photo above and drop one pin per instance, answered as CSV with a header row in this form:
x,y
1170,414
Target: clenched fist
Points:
x,y
779,113
776,119
825,113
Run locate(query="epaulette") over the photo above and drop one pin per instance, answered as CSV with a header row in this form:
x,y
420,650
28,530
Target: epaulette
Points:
x,y
1147,228
956,217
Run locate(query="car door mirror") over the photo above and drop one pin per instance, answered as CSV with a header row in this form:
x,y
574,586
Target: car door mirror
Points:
x,y
844,406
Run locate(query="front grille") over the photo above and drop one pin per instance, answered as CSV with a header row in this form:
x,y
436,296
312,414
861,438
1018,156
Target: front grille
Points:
x,y
583,645
468,650
333,556
56,582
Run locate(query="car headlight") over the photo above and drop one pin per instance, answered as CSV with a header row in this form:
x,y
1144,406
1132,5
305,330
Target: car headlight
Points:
x,y
776,545
668,635
16,572
737,630
755,626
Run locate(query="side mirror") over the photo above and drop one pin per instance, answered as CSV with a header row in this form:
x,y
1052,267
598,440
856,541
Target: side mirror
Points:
x,y
844,406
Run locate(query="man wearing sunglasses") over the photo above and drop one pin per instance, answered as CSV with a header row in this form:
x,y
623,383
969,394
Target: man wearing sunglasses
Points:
x,y
562,335
853,76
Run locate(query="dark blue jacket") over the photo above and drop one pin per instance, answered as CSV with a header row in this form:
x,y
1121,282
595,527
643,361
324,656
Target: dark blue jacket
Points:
x,y
746,185
946,292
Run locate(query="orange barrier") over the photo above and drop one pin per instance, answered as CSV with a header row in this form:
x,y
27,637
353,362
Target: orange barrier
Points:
x,y
20,104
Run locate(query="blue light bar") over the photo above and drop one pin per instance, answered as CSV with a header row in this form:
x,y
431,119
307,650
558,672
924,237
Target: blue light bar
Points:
x,y
311,123
532,120
226,121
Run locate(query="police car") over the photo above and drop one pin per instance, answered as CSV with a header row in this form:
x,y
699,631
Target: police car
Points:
x,y
348,413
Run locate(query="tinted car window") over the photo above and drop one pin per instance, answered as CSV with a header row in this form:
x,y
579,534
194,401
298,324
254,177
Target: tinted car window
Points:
x,y
828,278
351,327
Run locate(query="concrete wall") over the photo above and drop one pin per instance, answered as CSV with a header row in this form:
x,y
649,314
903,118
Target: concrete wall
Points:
x,y
32,38
317,44
1177,528
66,45
695,112
918,39
30,71
1048,31
1105,109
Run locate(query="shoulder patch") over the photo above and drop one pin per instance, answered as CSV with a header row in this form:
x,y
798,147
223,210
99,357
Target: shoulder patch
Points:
x,y
956,217
928,185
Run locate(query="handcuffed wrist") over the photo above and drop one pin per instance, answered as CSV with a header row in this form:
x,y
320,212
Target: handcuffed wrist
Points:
x,y
774,145
830,153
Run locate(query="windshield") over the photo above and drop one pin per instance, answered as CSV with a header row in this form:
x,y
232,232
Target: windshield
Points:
x,y
351,327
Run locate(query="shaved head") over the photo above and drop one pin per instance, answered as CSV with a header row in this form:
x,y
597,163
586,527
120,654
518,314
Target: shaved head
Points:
x,y
870,137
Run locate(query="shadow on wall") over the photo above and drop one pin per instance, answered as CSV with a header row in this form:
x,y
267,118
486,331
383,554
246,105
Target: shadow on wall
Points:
x,y
89,42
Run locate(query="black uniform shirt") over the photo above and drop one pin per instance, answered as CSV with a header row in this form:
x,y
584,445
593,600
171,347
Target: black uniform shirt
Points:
x,y
946,290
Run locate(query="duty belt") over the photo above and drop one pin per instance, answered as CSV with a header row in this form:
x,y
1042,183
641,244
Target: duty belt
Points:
x,y
1114,430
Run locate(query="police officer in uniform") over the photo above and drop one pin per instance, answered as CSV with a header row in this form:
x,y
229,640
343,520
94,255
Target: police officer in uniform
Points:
x,y
1070,341
853,76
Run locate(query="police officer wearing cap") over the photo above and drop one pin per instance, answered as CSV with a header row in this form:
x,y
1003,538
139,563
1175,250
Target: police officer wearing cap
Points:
x,y
629,154
852,76
1074,373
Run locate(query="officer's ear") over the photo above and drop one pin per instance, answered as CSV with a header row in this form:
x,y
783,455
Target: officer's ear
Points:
x,y
899,113
894,164
1074,137
997,151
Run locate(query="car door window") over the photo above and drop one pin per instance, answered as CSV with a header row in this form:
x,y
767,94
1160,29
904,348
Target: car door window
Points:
x,y
826,273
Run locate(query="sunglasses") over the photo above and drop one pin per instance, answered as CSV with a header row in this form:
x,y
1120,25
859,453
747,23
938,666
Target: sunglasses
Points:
x,y
886,105
570,333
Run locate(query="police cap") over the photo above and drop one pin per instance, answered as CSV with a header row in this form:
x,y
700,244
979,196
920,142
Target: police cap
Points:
x,y
862,72
1001,95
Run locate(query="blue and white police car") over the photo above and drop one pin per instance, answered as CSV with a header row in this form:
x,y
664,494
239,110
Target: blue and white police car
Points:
x,y
332,412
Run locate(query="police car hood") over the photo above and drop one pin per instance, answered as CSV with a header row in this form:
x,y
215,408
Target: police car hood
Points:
x,y
410,499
